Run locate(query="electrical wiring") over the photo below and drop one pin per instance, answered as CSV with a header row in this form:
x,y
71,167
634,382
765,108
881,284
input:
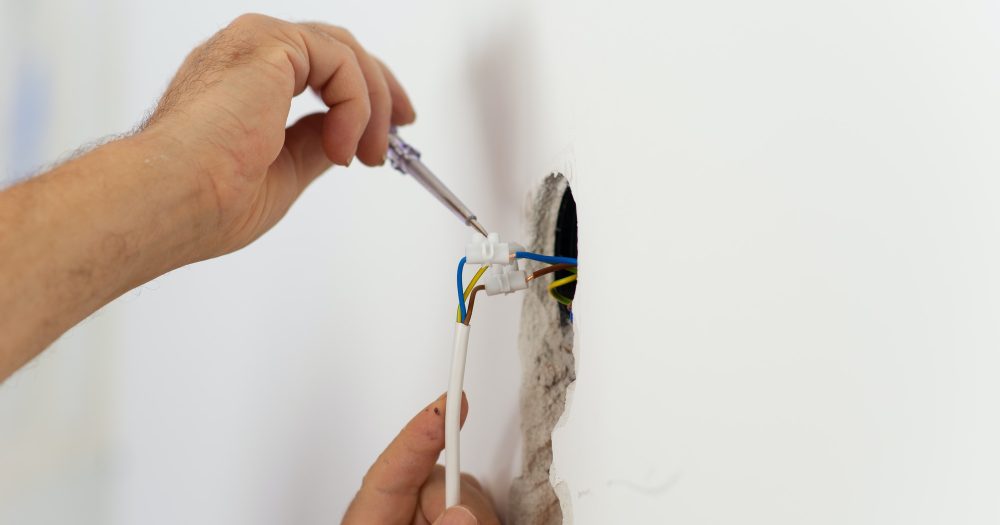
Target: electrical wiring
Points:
x,y
459,318
547,270
507,278
461,296
554,288
453,418
472,303
471,297
550,259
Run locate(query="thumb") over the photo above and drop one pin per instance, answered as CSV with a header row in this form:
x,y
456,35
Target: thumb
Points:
x,y
457,515
304,144
390,490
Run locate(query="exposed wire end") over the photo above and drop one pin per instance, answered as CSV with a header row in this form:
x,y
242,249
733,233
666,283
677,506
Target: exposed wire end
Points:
x,y
506,276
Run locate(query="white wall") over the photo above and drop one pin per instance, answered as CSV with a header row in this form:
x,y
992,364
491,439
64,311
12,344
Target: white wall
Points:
x,y
813,188
808,192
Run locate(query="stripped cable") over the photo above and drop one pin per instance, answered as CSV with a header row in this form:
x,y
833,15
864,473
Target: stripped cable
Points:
x,y
459,317
453,406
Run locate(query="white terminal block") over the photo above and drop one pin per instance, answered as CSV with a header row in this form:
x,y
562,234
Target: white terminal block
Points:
x,y
505,274
487,250
505,279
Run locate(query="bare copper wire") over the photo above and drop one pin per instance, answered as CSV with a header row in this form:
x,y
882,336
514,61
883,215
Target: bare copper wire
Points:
x,y
534,275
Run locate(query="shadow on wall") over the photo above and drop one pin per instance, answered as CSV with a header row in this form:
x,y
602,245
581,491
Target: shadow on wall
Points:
x,y
503,77
501,80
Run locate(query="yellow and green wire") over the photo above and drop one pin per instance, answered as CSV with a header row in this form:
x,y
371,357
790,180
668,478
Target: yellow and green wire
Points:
x,y
468,291
553,288
556,284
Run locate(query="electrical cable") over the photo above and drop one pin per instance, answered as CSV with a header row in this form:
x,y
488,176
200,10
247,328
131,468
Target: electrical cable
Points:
x,y
550,259
461,297
471,297
453,418
472,302
548,269
468,290
453,403
554,292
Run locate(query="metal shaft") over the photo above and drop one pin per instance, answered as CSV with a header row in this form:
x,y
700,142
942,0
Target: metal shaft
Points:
x,y
406,159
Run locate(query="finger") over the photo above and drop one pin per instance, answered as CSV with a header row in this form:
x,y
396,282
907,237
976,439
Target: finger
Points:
x,y
473,498
375,140
402,109
390,490
469,479
332,69
304,150
457,516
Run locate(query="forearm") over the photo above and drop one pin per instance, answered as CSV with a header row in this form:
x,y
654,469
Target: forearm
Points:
x,y
215,168
75,238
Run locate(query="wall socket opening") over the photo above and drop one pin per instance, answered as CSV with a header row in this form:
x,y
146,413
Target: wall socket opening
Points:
x,y
565,244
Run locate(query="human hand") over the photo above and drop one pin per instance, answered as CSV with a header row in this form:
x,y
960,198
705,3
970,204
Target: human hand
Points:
x,y
406,486
211,170
225,112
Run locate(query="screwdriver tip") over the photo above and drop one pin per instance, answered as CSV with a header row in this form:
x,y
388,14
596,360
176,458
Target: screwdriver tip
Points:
x,y
478,227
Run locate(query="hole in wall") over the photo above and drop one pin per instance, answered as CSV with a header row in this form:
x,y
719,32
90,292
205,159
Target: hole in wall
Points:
x,y
565,245
546,349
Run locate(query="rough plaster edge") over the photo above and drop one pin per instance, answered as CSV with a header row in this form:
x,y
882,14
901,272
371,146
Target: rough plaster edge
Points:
x,y
537,496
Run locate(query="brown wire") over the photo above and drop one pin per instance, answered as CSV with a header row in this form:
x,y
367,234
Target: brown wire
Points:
x,y
534,275
472,303
548,269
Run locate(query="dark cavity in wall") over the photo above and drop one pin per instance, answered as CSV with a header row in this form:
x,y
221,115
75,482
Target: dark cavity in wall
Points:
x,y
546,347
565,244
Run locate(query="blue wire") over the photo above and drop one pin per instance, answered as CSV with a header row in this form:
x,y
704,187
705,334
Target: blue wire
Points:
x,y
461,295
549,259
520,255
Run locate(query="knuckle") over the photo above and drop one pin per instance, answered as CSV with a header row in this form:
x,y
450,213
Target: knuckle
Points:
x,y
251,20
347,51
345,34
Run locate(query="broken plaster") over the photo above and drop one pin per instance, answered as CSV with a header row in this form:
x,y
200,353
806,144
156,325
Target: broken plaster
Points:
x,y
546,347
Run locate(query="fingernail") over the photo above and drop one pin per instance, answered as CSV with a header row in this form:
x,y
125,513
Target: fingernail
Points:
x,y
458,516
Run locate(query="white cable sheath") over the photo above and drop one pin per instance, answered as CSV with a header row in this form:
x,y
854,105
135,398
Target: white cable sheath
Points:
x,y
453,418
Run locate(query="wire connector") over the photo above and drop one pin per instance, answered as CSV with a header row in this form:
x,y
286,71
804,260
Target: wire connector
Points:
x,y
488,250
505,279
505,274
